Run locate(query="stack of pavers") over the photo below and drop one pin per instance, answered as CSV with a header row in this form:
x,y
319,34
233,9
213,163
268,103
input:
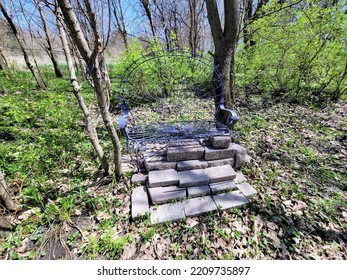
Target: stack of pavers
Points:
x,y
190,179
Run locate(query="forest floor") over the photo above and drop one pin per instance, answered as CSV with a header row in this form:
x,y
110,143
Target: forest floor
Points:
x,y
298,166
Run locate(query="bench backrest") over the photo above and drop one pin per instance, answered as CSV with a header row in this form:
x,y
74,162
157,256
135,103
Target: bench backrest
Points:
x,y
171,86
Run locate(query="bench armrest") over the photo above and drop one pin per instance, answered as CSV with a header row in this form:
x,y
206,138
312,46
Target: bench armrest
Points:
x,y
233,115
123,119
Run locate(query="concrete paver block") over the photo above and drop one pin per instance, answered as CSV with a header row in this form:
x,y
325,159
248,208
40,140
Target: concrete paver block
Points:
x,y
139,202
222,187
181,153
220,173
247,190
240,178
199,205
198,191
239,155
162,178
220,162
167,212
159,163
212,153
191,164
195,177
139,178
162,195
220,141
228,200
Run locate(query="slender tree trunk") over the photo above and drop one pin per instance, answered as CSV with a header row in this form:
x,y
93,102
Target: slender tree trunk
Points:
x,y
5,195
225,45
119,16
90,127
28,60
57,70
3,61
147,6
98,70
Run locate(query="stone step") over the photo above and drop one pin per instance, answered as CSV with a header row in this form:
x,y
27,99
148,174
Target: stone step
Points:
x,y
159,163
199,205
139,179
220,162
220,173
222,187
220,141
195,177
182,153
191,164
212,153
247,190
167,212
240,178
162,178
239,155
161,195
139,202
198,191
226,201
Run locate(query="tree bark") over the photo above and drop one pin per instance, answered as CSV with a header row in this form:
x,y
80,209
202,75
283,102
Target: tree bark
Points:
x,y
3,61
97,68
119,16
28,60
147,6
57,70
90,126
5,195
225,46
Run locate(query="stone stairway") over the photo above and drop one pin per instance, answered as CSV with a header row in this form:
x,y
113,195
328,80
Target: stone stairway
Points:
x,y
190,179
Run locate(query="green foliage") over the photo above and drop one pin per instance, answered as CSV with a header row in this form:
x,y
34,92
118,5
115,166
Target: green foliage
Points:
x,y
299,50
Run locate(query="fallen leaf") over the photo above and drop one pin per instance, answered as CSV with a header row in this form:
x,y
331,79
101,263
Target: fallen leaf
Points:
x,y
26,214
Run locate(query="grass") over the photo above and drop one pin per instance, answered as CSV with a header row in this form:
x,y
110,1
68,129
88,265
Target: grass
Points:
x,y
298,167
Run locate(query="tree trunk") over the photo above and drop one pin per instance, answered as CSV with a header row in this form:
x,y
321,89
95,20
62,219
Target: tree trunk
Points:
x,y
28,60
146,5
97,68
225,45
5,195
3,61
90,127
57,70
119,16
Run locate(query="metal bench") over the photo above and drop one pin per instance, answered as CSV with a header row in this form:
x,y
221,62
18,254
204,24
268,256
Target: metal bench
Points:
x,y
169,96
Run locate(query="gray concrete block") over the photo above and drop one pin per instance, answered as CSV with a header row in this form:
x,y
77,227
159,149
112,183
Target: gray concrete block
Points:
x,y
191,164
181,153
220,173
212,153
199,205
159,163
239,155
190,178
220,162
220,141
167,212
162,195
247,190
222,187
184,143
228,200
139,202
162,178
139,178
198,191
240,178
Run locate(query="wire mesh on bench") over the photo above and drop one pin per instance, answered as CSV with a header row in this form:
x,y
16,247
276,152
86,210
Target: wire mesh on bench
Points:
x,y
170,96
